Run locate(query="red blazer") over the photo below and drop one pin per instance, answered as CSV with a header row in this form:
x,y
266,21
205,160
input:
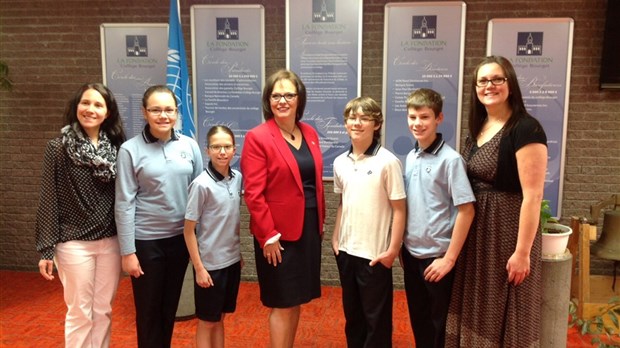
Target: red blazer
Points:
x,y
273,189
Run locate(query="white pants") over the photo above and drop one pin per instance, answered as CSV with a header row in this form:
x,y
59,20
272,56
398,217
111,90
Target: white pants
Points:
x,y
90,273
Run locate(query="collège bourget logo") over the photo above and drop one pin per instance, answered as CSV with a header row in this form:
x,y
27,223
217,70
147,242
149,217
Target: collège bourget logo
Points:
x,y
529,43
424,27
227,28
136,45
323,11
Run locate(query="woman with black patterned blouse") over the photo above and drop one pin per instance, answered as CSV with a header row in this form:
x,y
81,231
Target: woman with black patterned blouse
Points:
x,y
75,225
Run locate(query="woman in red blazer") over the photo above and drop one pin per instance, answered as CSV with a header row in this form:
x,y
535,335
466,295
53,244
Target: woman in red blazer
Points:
x,y
282,169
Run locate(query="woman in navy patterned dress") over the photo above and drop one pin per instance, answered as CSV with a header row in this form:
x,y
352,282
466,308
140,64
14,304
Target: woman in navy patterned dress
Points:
x,y
496,299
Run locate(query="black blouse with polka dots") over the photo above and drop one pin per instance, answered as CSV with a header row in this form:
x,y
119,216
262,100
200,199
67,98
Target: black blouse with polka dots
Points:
x,y
73,204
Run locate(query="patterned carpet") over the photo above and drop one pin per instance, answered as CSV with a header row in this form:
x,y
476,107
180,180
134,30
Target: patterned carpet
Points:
x,y
32,314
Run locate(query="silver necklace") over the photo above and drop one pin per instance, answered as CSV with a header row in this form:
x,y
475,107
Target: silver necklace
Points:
x,y
290,133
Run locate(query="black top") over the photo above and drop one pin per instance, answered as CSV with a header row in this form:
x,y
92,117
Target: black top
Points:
x,y
306,169
73,204
525,131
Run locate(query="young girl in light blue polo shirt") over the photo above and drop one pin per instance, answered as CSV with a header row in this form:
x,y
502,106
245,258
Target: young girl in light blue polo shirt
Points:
x,y
212,237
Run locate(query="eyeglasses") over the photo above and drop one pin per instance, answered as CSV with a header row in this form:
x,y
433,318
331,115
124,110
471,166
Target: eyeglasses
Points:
x,y
287,96
218,148
496,81
157,112
361,119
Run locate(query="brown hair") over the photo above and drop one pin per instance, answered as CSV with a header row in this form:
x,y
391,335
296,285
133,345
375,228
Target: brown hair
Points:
x,y
217,129
370,108
477,111
157,89
112,125
271,82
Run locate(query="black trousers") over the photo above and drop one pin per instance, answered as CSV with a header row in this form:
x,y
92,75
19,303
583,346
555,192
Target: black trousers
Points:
x,y
156,293
428,302
367,297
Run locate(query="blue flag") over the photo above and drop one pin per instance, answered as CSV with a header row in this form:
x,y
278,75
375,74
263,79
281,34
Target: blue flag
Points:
x,y
177,76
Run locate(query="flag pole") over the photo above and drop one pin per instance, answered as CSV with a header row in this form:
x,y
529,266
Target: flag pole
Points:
x,y
177,74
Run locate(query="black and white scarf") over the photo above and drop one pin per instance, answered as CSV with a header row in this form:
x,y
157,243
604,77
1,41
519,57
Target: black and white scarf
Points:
x,y
83,153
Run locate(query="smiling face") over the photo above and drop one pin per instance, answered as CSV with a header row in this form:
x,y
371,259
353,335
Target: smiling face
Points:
x,y
423,124
361,127
221,151
282,108
91,111
161,125
492,95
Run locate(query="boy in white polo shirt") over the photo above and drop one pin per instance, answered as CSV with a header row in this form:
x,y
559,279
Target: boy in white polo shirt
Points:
x,y
440,210
369,179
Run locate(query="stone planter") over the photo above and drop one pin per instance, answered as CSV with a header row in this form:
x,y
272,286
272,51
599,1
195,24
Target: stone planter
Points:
x,y
554,243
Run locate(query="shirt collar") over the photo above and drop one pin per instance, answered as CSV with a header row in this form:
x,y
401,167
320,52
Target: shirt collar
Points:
x,y
371,150
149,138
435,146
215,175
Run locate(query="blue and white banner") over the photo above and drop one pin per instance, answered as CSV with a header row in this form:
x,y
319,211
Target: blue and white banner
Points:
x,y
177,75
133,59
228,60
423,48
324,47
540,50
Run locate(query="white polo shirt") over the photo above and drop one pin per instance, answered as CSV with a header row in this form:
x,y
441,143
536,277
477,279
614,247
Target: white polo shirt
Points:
x,y
367,185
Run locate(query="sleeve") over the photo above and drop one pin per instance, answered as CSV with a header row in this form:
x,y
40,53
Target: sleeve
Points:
x,y
47,230
198,163
196,198
337,178
458,182
254,168
528,131
125,202
393,178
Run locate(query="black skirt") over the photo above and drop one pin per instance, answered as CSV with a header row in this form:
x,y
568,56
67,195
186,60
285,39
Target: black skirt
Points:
x,y
297,280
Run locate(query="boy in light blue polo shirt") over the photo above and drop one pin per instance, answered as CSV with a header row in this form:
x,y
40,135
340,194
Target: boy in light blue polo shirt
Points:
x,y
440,211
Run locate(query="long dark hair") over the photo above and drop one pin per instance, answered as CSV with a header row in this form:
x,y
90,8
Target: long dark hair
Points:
x,y
271,82
112,125
477,111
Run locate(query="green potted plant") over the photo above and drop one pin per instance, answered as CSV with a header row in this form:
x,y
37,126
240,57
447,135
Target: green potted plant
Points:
x,y
554,235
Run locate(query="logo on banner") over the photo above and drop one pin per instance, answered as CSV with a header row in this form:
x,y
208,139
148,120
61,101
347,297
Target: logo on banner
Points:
x,y
227,28
424,27
323,11
529,43
136,46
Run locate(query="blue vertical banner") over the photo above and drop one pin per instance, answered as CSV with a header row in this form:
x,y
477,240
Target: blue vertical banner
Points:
x,y
177,75
540,50
424,45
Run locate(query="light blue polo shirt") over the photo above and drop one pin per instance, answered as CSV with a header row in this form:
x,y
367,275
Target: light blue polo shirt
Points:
x,y
151,187
436,182
214,202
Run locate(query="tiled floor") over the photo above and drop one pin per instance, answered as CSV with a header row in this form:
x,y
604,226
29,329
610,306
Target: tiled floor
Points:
x,y
32,313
